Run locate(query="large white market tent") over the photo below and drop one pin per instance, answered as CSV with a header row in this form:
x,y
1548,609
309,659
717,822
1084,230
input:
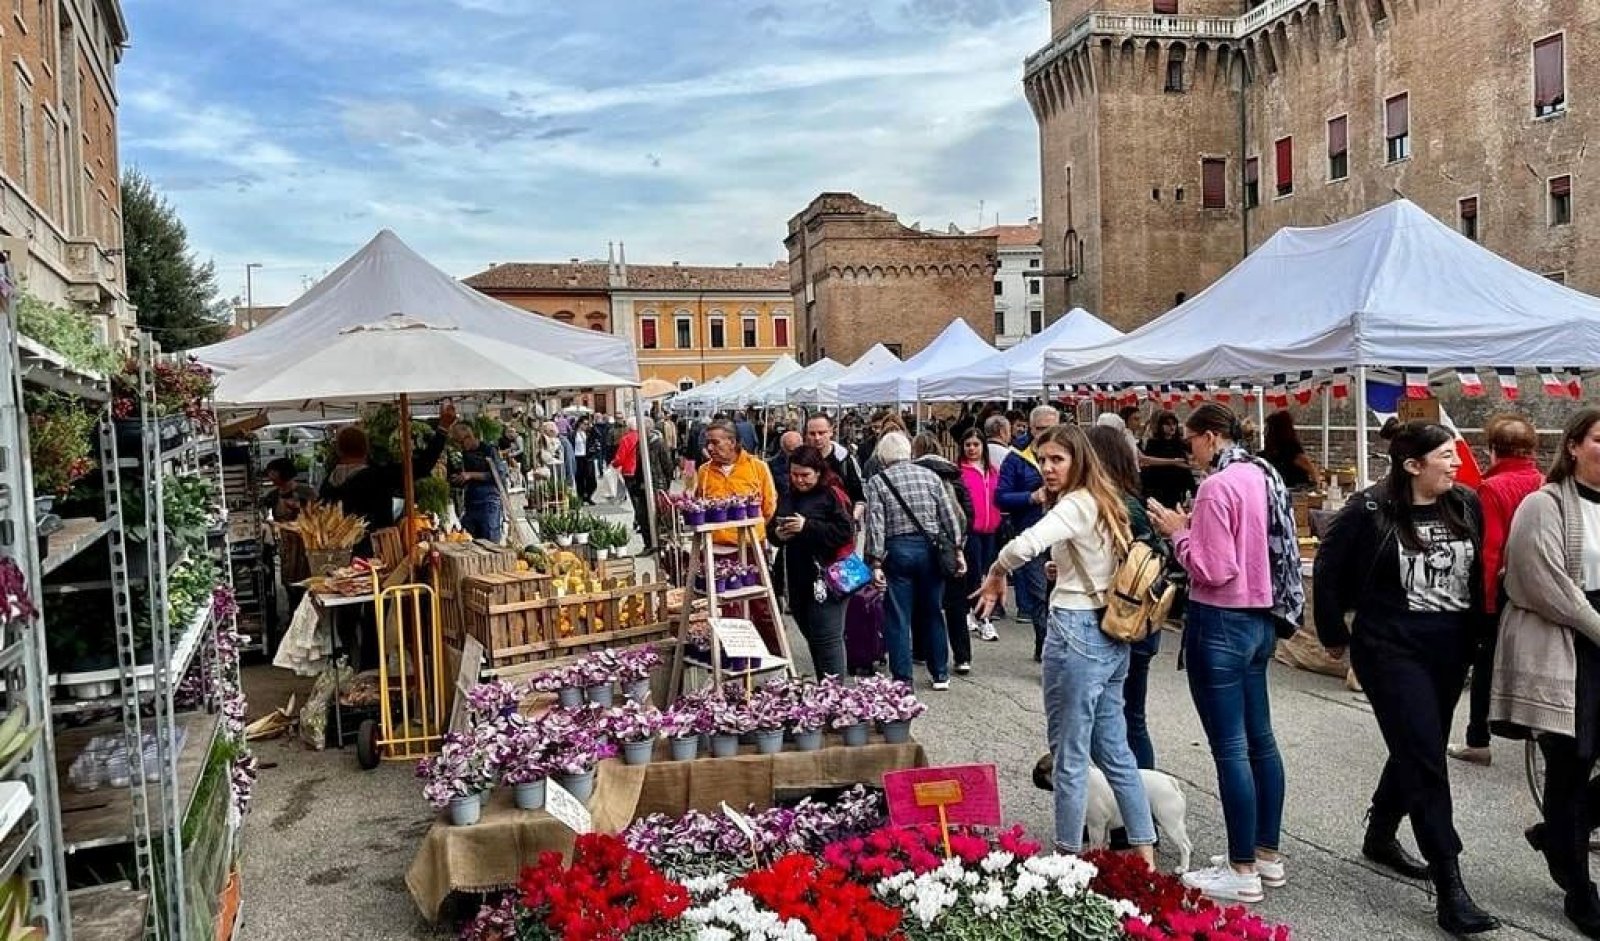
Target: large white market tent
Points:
x,y
782,368
706,396
825,392
958,345
387,277
822,370
1392,288
1015,372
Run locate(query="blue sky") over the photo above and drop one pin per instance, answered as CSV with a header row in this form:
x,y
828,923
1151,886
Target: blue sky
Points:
x,y
288,132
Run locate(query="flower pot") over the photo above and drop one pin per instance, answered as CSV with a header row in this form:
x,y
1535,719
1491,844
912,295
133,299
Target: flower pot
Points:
x,y
752,579
638,753
808,740
465,811
581,538
529,795
717,514
570,697
724,745
639,691
897,733
769,741
563,540
602,554
580,786
600,695
723,586
738,664
693,518
736,512
747,738
855,734
685,748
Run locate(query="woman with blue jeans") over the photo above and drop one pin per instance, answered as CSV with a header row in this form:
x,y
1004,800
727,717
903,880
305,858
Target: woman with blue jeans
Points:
x,y
1084,669
1238,546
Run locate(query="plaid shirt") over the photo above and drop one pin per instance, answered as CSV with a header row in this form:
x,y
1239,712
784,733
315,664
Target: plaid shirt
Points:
x,y
922,491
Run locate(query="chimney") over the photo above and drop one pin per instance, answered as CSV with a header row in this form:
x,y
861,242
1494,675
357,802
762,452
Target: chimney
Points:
x,y
676,264
619,272
574,261
611,256
1033,220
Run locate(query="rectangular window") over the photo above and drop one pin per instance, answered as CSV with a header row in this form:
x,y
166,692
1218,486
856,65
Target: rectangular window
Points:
x,y
1397,127
780,332
999,323
1033,263
719,336
1035,322
685,335
1174,71
999,288
647,333
1214,184
1560,200
1164,6
1033,286
750,333
1549,76
1283,153
1467,217
1252,182
1339,148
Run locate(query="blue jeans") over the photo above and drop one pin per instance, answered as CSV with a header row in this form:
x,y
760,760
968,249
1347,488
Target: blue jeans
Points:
x,y
916,603
484,520
1134,692
1083,675
1227,652
1033,598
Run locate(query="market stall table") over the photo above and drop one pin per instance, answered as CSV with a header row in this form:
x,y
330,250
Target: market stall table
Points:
x,y
489,855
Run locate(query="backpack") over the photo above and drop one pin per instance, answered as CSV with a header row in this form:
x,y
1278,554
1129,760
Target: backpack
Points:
x,y
1141,593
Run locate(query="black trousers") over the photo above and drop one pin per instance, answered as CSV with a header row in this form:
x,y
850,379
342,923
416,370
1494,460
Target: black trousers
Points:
x,y
1478,697
1413,684
955,620
587,483
1571,800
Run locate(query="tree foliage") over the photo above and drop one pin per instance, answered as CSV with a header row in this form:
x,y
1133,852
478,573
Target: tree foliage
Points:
x,y
175,292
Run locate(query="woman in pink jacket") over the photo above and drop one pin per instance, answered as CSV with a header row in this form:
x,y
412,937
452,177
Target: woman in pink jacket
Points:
x,y
981,479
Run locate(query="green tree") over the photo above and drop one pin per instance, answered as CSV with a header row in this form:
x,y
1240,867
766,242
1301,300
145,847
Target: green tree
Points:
x,y
176,294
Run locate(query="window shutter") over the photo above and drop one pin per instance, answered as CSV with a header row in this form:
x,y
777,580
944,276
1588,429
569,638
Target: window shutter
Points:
x,y
1548,81
649,328
1214,184
1561,186
1252,170
1164,6
1338,136
1285,162
1397,111
1469,208
780,332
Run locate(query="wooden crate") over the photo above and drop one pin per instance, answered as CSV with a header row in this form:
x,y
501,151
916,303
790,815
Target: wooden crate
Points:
x,y
459,561
523,625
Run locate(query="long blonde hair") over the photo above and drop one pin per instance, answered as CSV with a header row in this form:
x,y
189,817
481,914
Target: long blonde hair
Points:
x,y
1084,472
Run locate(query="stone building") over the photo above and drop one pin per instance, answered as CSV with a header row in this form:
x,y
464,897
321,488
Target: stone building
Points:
x,y
860,277
1177,135
1018,294
61,208
689,323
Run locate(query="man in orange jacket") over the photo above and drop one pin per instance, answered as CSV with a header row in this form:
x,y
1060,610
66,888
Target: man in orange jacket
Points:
x,y
734,472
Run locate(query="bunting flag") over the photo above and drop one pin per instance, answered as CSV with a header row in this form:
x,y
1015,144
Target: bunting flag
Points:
x,y
1575,383
1506,378
1416,384
1471,383
1553,386
1303,394
1341,387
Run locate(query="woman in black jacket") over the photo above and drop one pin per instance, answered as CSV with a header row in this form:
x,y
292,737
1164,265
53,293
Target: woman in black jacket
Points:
x,y
1406,557
368,490
814,525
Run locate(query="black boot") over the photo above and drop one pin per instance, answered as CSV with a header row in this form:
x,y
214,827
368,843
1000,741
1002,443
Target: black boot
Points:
x,y
1382,846
1458,914
1583,910
1535,837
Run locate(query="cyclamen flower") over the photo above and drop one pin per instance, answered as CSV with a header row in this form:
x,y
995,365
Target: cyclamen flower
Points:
x,y
223,604
493,699
629,721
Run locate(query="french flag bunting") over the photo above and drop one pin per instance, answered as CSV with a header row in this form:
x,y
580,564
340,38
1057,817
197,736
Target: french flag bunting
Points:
x,y
1341,388
1553,386
1416,384
1471,383
1575,383
1506,378
1303,394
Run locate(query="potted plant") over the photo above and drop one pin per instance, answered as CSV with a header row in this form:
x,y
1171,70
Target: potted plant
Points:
x,y
59,433
527,763
752,576
728,720
716,511
893,705
682,724
634,667
811,711
633,727
563,683
582,526
457,778
692,511
851,715
769,712
573,761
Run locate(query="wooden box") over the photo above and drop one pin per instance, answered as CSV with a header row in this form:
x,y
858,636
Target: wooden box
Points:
x,y
524,626
459,561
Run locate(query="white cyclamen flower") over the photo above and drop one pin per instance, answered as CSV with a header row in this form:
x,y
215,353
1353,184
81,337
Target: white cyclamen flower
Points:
x,y
1126,909
991,900
997,860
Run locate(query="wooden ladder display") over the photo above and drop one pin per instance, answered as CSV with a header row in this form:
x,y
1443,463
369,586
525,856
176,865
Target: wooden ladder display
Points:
x,y
702,562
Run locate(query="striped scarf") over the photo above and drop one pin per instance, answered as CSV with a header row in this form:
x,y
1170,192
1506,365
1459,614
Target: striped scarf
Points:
x,y
1283,545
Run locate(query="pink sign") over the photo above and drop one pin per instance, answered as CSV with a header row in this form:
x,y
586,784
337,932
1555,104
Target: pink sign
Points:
x,y
970,795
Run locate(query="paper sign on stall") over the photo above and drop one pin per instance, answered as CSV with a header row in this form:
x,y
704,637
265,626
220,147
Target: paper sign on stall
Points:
x,y
560,804
739,638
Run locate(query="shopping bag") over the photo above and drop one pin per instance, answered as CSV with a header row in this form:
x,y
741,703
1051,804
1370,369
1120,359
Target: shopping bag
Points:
x,y
863,630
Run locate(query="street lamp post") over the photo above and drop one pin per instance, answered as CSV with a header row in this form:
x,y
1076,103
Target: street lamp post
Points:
x,y
249,295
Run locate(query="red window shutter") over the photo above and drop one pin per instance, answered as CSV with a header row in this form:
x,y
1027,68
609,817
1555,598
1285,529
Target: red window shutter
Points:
x,y
1397,111
780,332
1561,186
1338,136
1252,170
648,328
1285,162
1214,184
1549,84
1164,6
1469,208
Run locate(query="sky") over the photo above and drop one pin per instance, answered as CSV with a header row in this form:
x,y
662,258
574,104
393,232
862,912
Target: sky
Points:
x,y
288,133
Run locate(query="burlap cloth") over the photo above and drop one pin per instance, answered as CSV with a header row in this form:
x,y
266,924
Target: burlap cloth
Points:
x,y
490,854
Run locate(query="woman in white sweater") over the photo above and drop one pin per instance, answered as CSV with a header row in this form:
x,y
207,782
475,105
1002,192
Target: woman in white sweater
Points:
x,y
1084,669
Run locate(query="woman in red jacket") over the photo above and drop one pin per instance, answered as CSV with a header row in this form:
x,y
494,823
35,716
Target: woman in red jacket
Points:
x,y
1512,476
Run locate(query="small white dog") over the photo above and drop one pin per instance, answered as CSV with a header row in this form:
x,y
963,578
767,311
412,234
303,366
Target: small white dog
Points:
x,y
1167,806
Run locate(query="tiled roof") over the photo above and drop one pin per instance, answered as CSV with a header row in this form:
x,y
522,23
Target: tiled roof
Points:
x,y
594,276
1012,235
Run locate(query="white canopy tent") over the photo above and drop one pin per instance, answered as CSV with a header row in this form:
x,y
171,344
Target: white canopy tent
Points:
x,y
708,395
822,370
957,346
386,277
825,392
782,368
1015,372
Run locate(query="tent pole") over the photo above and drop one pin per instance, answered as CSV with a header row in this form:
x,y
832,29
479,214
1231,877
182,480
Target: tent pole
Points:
x,y
1327,447
1361,428
644,469
408,528
1261,419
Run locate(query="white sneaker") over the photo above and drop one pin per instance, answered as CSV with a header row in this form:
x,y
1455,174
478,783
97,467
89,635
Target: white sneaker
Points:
x,y
986,631
972,623
941,685
1271,871
1225,884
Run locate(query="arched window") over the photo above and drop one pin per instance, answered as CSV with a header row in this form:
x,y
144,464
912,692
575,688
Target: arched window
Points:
x,y
565,316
